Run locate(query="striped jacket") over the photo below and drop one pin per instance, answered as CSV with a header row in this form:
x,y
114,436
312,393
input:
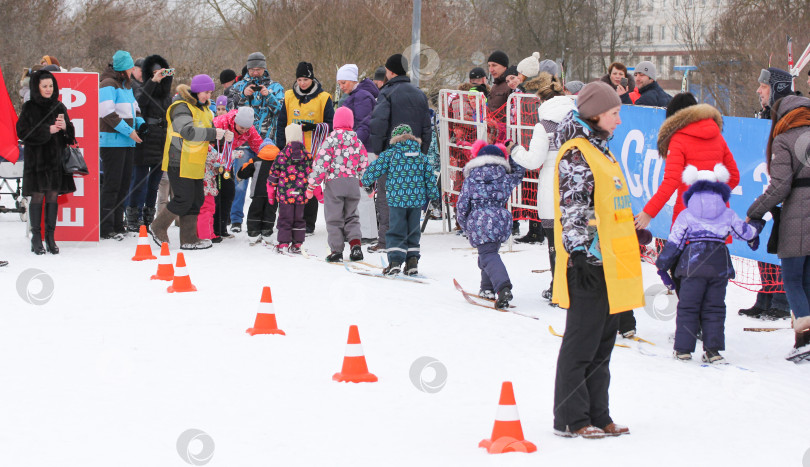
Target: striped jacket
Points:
x,y
118,112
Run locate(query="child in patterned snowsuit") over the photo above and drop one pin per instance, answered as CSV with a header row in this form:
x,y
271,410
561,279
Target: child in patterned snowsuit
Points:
x,y
409,185
287,184
205,221
488,182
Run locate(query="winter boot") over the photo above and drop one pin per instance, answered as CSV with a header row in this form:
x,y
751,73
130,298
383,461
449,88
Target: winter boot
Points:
x,y
616,430
356,253
188,234
133,225
148,216
515,228
802,339
534,235
713,357
546,294
628,334
753,312
773,314
236,228
159,228
35,216
51,213
376,248
393,269
281,247
335,257
294,249
587,432
682,356
412,266
504,296
488,294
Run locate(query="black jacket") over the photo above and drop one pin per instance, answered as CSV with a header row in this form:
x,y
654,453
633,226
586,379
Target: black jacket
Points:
x,y
154,100
652,95
328,110
399,102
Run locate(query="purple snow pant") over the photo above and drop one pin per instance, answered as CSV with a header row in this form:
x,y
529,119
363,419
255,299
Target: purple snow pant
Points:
x,y
291,224
493,273
701,304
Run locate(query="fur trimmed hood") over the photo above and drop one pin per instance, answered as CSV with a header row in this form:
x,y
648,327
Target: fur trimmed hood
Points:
x,y
684,118
481,161
149,63
706,186
184,92
404,137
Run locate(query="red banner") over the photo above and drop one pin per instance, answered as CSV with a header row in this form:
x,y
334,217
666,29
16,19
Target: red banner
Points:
x,y
79,211
8,125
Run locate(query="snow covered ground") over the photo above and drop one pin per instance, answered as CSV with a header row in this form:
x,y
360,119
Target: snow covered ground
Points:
x,y
113,369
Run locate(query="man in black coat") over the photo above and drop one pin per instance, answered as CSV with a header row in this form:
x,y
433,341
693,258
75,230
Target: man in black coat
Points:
x,y
399,102
651,93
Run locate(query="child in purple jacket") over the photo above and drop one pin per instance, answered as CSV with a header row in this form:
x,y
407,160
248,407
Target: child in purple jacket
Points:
x,y
697,243
287,184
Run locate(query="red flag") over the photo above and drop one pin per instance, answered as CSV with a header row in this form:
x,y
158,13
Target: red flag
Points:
x,y
9,149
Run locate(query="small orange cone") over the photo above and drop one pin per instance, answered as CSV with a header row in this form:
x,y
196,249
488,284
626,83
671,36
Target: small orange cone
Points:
x,y
507,434
143,251
354,368
265,316
165,270
182,281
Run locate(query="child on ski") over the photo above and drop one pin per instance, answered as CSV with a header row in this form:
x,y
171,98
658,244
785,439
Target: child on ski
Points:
x,y
409,185
338,165
261,216
488,182
696,247
205,221
287,184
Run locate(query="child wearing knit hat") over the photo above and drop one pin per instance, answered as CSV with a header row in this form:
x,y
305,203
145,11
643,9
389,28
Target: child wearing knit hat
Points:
x,y
287,183
339,163
409,185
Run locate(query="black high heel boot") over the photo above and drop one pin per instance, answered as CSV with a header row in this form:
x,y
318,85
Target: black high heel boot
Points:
x,y
51,213
35,215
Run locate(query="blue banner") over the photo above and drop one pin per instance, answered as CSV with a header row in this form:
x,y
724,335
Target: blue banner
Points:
x,y
635,144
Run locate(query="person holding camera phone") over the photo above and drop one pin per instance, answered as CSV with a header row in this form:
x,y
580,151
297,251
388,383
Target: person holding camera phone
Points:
x,y
154,100
45,129
623,83
266,97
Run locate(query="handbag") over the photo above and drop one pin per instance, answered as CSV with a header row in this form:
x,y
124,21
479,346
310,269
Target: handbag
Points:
x,y
776,213
73,161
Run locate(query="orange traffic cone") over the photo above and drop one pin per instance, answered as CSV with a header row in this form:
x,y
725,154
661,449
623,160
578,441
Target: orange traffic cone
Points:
x,y
265,317
143,251
182,281
507,434
165,270
354,368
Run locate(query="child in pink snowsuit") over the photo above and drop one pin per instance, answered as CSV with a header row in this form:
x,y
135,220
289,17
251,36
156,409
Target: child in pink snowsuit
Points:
x,y
205,221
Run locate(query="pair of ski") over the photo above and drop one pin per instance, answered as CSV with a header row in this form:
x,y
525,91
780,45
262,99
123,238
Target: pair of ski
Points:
x,y
475,299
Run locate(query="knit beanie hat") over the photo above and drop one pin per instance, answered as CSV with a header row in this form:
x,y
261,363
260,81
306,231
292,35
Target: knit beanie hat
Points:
x,y
401,129
574,87
530,66
397,64
347,72
500,58
646,68
511,71
139,62
226,76
222,101
244,117
379,74
477,73
304,70
595,98
202,83
490,150
780,82
294,133
344,119
550,67
122,61
256,60
50,60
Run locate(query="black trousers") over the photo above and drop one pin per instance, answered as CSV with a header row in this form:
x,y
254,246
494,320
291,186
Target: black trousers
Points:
x,y
552,253
583,373
261,216
117,163
310,213
188,194
223,202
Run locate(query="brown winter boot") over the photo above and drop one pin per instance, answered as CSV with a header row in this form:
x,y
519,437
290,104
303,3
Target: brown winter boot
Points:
x,y
188,235
616,430
160,226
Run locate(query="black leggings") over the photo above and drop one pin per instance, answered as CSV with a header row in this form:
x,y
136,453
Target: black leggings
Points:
x,y
48,197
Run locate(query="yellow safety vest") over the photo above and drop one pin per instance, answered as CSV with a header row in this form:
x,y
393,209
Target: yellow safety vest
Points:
x,y
311,112
193,153
618,242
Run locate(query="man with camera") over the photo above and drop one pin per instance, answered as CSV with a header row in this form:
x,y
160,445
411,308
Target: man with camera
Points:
x,y
266,97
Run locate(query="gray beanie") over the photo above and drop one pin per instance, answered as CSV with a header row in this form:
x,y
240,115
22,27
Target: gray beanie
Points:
x,y
550,67
595,98
256,60
244,117
574,87
646,68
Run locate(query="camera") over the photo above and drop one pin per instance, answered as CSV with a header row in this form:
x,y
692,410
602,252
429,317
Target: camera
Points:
x,y
255,87
167,72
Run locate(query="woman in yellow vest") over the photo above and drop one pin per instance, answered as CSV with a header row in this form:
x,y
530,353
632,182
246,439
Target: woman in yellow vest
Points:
x,y
306,104
191,130
598,267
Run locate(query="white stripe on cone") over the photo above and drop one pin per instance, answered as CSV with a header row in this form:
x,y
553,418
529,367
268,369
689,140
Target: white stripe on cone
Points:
x,y
180,272
143,241
354,350
507,413
266,308
165,259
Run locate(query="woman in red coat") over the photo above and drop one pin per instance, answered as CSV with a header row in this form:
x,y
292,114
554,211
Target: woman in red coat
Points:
x,y
691,135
